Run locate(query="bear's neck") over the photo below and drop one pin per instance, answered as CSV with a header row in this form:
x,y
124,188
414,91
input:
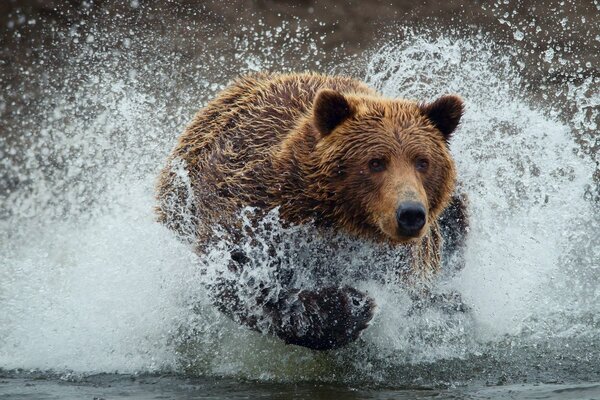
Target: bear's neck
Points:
x,y
296,185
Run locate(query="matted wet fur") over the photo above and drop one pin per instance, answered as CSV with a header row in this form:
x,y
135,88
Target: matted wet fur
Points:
x,y
327,151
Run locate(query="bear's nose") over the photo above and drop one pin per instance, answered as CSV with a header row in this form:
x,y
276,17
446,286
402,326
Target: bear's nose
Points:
x,y
411,218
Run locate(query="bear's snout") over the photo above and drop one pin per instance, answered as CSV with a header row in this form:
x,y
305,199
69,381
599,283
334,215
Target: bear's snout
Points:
x,y
411,218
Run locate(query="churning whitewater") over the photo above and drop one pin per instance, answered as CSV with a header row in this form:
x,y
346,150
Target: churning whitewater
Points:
x,y
90,282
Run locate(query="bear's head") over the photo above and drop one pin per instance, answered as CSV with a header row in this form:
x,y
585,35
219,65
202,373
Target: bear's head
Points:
x,y
383,165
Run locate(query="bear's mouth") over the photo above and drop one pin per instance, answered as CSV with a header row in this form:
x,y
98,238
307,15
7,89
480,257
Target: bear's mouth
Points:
x,y
413,238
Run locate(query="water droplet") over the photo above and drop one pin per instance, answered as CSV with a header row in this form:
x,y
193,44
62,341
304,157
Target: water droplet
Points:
x,y
518,35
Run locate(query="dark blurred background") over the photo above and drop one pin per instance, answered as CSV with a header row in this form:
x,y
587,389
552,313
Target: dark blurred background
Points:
x,y
570,28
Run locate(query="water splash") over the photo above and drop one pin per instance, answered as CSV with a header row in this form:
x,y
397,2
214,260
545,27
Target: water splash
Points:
x,y
90,283
517,164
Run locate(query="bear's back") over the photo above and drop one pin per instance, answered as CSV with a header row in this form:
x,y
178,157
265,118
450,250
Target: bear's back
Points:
x,y
256,112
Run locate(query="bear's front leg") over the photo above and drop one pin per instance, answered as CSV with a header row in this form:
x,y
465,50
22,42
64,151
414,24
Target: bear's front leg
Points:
x,y
321,319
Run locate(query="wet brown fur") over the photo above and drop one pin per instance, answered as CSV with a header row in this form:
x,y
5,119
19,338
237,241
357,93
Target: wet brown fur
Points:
x,y
256,144
303,142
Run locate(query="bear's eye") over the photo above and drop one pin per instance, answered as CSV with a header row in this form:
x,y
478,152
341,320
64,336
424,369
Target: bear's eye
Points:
x,y
377,165
422,164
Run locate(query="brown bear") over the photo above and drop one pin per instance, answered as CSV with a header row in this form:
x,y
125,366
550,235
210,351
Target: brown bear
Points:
x,y
325,151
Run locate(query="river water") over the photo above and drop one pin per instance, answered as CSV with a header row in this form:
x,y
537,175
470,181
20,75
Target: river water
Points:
x,y
98,300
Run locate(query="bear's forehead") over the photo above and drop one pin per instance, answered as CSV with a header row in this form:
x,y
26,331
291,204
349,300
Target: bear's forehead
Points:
x,y
386,139
393,113
401,120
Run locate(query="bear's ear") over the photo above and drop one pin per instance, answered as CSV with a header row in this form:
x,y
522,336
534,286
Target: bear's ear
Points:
x,y
444,113
330,108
